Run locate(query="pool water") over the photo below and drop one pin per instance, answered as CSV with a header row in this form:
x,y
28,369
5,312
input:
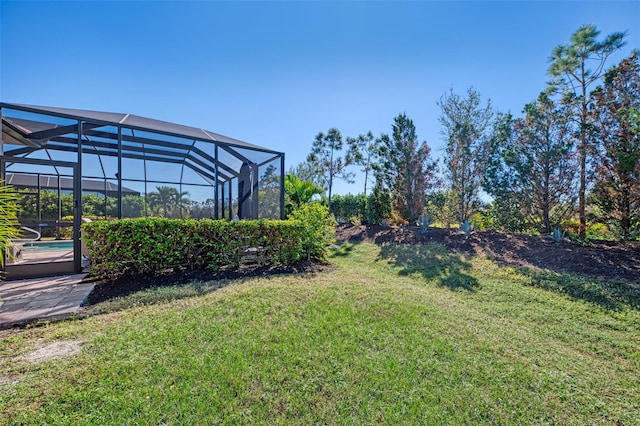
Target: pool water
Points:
x,y
48,246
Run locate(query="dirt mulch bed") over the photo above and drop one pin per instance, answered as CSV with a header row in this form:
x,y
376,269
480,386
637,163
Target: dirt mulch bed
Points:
x,y
602,259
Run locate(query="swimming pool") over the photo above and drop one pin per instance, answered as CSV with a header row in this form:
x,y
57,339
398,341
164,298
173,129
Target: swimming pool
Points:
x,y
48,246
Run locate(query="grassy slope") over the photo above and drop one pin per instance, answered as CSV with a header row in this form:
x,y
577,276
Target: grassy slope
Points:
x,y
404,335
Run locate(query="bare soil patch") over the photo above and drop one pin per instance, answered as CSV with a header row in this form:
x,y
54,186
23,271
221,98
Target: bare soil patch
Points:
x,y
55,350
8,381
599,259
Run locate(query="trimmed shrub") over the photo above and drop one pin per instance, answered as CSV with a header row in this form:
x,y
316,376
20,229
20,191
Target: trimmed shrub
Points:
x,y
319,229
152,245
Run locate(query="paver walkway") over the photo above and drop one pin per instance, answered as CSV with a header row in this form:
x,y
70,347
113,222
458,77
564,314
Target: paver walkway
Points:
x,y
41,298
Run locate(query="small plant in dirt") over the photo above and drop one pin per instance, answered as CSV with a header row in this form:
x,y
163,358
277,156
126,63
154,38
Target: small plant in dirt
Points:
x,y
557,236
424,222
467,228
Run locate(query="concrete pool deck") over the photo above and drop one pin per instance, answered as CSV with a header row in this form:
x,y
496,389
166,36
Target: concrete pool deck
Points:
x,y
27,256
51,298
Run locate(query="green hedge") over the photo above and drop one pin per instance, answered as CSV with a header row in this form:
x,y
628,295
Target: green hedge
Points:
x,y
151,245
349,208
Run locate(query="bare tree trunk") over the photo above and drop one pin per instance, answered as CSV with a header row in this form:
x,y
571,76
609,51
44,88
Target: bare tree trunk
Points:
x,y
545,199
366,178
625,208
583,162
582,190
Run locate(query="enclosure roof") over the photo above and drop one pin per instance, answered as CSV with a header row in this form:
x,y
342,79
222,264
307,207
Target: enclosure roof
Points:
x,y
136,122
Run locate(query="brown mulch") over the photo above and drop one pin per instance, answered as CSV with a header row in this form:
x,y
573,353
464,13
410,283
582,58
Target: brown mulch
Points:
x,y
600,259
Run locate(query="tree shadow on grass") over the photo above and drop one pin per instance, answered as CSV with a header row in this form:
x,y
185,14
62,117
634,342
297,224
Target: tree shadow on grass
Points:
x,y
433,262
608,294
343,249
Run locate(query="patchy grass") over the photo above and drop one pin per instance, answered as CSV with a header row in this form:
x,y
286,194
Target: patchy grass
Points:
x,y
395,334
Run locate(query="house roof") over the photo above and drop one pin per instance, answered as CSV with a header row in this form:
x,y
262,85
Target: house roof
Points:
x,y
23,180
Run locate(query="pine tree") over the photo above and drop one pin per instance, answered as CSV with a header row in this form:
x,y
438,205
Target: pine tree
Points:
x,y
466,125
615,109
325,154
363,151
544,162
406,170
531,168
570,70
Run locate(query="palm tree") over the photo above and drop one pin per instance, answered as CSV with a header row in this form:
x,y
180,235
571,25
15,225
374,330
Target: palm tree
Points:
x,y
299,191
167,201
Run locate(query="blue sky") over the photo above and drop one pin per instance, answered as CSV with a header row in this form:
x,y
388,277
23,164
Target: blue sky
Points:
x,y
277,73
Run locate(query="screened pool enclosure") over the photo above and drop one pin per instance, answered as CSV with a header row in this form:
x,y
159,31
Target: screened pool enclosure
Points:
x,y
70,164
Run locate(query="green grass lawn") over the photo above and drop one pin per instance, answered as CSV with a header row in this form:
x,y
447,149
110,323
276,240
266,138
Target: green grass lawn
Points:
x,y
392,335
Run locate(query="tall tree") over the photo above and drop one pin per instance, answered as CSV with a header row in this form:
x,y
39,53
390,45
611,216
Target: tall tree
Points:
x,y
325,153
569,66
544,163
538,166
615,108
531,169
466,125
363,151
406,169
508,207
310,172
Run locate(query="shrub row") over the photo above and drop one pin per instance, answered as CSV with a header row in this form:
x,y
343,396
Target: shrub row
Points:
x,y
359,209
152,245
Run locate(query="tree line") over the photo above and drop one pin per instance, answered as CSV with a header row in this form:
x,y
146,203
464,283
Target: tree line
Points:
x,y
572,158
165,201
